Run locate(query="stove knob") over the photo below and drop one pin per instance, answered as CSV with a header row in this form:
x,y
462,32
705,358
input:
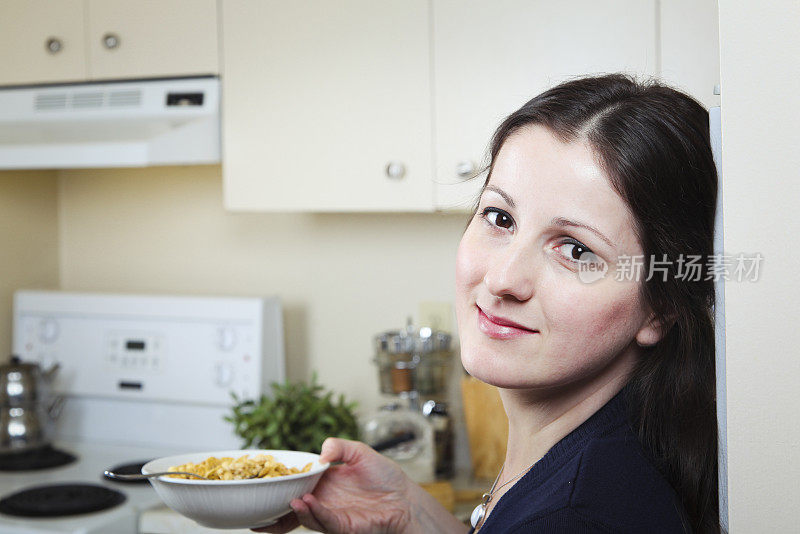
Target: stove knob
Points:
x,y
48,330
224,374
226,338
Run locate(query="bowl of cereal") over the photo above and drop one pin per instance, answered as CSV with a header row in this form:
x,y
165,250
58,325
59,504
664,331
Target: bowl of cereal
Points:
x,y
246,488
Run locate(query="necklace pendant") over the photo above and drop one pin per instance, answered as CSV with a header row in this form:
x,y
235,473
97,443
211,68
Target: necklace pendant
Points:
x,y
477,515
480,511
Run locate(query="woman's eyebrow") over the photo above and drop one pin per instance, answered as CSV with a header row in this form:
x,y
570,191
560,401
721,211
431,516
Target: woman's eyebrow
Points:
x,y
556,221
502,193
561,221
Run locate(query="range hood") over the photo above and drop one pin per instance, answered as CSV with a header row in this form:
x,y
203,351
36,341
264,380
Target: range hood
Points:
x,y
110,124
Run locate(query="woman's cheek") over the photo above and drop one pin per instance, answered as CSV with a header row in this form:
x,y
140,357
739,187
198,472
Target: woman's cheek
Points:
x,y
468,268
566,302
583,314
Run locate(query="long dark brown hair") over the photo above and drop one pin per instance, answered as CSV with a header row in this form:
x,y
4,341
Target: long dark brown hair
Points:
x,y
653,143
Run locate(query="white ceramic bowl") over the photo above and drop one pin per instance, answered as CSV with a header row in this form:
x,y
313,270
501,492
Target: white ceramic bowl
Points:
x,y
235,503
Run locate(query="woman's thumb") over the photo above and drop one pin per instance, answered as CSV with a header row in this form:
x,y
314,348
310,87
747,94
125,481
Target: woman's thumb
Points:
x,y
340,450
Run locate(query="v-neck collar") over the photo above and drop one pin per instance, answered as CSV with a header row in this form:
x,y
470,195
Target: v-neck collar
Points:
x,y
608,418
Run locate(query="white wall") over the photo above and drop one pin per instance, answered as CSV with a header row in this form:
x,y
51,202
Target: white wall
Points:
x,y
28,240
760,77
342,277
689,47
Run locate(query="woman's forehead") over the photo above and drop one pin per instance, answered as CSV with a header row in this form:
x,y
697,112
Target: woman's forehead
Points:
x,y
532,157
545,177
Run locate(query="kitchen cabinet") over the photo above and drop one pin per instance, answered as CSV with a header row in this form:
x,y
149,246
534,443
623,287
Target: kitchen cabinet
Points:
x,y
42,41
492,57
323,101
327,105
150,39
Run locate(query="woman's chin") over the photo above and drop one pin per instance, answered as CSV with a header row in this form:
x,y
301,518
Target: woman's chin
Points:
x,y
513,373
498,374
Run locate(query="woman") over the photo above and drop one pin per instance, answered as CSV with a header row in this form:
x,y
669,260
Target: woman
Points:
x,y
573,299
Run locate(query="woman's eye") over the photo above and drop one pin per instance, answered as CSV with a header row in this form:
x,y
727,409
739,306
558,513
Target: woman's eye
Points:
x,y
576,251
498,217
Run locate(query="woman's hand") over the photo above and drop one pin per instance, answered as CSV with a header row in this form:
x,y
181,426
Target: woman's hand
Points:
x,y
368,493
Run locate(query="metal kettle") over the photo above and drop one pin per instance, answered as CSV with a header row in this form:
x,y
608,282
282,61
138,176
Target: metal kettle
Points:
x,y
27,408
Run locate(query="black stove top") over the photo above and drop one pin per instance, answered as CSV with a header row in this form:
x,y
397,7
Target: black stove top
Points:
x,y
41,458
57,500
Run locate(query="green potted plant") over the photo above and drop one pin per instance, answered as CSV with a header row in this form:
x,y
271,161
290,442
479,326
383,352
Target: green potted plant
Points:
x,y
297,416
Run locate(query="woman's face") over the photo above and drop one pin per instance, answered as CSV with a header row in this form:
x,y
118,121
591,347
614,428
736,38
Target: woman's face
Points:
x,y
519,260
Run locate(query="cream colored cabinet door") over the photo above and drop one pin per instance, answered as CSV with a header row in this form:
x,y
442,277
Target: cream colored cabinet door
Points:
x,y
151,38
490,57
326,105
41,41
690,47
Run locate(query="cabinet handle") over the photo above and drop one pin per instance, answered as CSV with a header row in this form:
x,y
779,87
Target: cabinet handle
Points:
x,y
54,45
111,41
395,170
465,169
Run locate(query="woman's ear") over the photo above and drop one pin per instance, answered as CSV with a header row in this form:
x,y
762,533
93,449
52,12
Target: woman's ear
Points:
x,y
653,330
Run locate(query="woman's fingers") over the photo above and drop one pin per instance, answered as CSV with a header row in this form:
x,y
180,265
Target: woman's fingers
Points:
x,y
323,515
342,450
305,516
287,523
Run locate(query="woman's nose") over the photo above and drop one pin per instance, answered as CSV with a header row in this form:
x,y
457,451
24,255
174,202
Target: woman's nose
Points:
x,y
511,274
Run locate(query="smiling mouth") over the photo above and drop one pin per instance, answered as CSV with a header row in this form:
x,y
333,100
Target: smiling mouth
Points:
x,y
499,328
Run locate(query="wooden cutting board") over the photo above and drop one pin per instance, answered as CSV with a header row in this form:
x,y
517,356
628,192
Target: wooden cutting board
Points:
x,y
487,427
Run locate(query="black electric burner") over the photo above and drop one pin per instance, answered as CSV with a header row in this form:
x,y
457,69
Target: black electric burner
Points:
x,y
134,468
40,458
59,500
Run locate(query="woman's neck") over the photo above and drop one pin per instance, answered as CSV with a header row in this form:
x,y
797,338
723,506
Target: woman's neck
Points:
x,y
537,420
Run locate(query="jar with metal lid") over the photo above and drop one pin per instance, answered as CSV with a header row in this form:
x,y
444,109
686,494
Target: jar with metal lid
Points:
x,y
413,360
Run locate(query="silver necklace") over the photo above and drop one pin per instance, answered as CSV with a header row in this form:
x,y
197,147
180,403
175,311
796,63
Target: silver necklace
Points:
x,y
480,511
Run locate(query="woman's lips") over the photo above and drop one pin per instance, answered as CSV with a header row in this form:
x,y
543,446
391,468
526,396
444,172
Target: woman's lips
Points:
x,y
499,328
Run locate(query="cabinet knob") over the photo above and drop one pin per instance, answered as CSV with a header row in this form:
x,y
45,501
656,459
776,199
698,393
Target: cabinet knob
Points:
x,y
395,170
54,45
465,169
111,41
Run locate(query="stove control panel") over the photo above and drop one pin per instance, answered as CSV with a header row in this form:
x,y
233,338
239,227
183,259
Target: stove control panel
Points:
x,y
194,350
135,350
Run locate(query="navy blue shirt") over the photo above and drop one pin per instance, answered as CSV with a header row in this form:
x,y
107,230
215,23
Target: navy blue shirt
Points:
x,y
596,479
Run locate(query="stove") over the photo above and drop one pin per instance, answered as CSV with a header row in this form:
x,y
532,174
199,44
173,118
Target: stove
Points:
x,y
130,468
46,457
88,468
142,377
60,500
